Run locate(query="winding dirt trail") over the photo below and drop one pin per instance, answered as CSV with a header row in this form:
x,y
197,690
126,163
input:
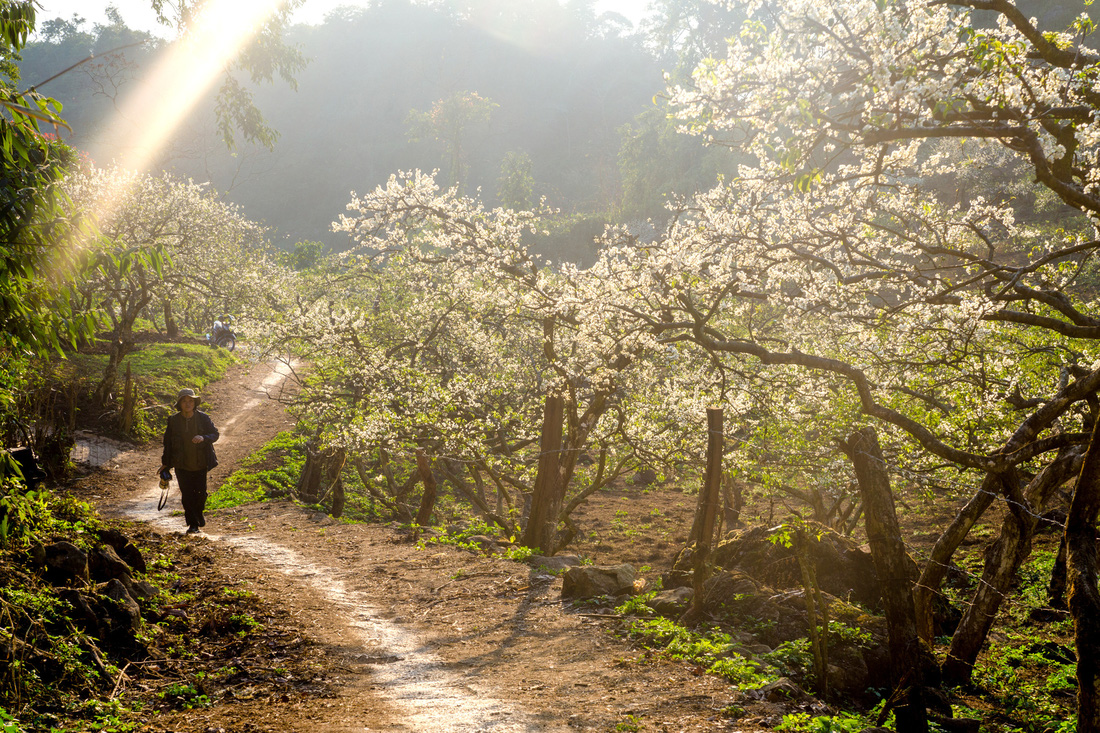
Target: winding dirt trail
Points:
x,y
418,638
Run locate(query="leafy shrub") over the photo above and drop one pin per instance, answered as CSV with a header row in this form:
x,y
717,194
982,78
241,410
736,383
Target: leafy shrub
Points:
x,y
637,605
23,514
713,650
8,724
839,723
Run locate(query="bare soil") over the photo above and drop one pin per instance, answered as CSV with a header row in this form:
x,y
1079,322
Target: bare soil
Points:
x,y
365,629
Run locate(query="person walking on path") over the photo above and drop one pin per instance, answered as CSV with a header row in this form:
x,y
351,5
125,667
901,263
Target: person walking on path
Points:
x,y
189,448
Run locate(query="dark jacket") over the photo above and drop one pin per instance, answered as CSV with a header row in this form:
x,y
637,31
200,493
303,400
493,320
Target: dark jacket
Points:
x,y
173,439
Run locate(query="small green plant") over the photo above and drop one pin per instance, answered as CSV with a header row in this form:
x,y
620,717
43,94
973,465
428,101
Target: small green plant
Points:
x,y
518,553
632,723
185,696
235,594
244,624
840,631
8,724
637,605
840,723
733,711
34,602
794,722
161,563
793,656
226,672
461,538
108,715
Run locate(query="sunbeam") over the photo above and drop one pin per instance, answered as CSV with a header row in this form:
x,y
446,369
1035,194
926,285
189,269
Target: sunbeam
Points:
x,y
183,77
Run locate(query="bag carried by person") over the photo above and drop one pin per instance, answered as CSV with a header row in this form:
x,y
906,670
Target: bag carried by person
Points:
x,y
165,486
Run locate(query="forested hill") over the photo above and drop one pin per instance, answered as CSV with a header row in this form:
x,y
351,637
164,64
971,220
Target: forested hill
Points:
x,y
562,98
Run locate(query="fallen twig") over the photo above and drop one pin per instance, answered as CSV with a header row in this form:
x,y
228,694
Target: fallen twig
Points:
x,y
118,682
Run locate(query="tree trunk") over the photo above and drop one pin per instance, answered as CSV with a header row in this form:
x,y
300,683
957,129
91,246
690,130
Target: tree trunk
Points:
x,y
334,482
1084,599
897,572
732,501
935,570
170,325
817,611
1003,560
129,398
309,482
547,496
427,502
708,509
123,345
1056,590
119,350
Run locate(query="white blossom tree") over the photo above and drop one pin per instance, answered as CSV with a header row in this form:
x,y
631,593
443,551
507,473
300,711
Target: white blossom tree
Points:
x,y
442,333
166,242
957,330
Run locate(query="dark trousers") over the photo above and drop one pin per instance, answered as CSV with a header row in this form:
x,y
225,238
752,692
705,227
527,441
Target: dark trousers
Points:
x,y
193,493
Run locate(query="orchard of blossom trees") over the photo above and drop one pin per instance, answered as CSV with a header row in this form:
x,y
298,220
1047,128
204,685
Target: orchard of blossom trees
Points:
x,y
852,279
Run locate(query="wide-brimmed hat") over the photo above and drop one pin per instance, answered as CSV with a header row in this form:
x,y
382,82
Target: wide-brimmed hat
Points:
x,y
187,392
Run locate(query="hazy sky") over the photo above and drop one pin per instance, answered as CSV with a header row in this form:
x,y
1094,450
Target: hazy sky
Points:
x,y
136,13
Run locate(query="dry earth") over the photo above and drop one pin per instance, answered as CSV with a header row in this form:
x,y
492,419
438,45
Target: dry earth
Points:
x,y
386,635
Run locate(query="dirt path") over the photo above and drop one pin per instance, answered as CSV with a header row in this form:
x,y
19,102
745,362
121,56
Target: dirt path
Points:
x,y
427,638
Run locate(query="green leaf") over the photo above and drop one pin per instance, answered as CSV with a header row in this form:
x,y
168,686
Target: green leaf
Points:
x,y
37,114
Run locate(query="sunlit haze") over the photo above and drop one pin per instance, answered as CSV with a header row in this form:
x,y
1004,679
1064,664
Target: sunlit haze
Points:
x,y
184,75
137,13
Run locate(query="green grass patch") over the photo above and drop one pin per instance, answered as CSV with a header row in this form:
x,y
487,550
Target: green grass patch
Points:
x,y
1031,678
161,369
269,473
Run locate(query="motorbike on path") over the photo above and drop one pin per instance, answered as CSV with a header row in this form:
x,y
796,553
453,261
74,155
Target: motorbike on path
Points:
x,y
222,334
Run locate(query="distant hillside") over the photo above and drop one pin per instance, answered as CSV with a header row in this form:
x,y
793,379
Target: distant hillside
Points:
x,y
564,83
